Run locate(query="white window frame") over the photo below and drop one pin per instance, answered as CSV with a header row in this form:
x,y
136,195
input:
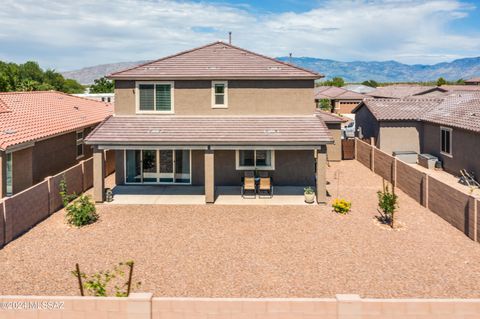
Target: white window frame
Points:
x,y
448,129
9,193
137,97
79,141
225,95
260,168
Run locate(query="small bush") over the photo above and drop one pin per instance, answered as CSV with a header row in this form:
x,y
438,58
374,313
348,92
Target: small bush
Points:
x,y
341,206
81,212
66,197
388,203
308,190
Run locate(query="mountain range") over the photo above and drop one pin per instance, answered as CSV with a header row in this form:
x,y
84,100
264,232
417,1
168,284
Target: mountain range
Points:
x,y
357,71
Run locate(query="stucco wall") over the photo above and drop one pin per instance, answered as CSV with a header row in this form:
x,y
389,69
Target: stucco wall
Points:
x,y
465,149
334,151
366,123
22,169
245,97
399,136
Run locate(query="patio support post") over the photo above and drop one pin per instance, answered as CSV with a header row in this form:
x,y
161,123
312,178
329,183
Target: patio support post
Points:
x,y
321,176
98,175
209,177
3,174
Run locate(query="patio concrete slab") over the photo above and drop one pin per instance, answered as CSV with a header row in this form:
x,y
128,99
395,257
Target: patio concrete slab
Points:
x,y
194,195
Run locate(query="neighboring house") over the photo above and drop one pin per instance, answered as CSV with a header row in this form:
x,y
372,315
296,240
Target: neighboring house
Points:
x,y
205,116
403,91
473,81
103,97
358,88
334,125
448,128
461,88
42,133
342,101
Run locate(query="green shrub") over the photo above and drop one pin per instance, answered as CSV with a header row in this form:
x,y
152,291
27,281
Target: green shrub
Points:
x,y
81,212
341,206
388,203
66,197
308,190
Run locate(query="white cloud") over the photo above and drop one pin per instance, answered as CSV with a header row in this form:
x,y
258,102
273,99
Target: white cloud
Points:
x,y
73,34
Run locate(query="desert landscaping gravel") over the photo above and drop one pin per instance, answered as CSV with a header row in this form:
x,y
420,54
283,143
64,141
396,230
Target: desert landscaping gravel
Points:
x,y
255,251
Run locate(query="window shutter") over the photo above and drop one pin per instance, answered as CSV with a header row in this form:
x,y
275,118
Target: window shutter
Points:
x,y
146,97
163,97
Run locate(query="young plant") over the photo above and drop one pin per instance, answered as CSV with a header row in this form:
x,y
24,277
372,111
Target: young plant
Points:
x,y
341,206
97,284
308,190
81,212
66,198
388,204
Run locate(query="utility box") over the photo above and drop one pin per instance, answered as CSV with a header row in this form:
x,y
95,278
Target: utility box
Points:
x,y
409,157
427,160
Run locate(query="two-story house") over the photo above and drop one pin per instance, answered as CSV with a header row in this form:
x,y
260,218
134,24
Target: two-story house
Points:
x,y
205,116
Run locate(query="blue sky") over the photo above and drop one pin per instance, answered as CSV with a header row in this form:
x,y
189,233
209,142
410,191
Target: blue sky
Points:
x,y
68,35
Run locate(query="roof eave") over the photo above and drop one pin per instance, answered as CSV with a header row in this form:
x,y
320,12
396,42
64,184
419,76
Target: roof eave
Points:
x,y
211,77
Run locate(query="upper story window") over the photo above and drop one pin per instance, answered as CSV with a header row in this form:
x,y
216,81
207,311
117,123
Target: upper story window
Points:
x,y
154,97
9,182
80,146
446,141
219,94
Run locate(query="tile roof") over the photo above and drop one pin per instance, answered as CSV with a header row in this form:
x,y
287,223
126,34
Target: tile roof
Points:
x,y
29,116
358,88
455,88
211,130
333,92
473,80
402,91
217,60
399,109
329,117
461,109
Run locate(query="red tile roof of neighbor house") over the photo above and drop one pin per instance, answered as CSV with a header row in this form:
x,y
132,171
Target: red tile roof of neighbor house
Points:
x,y
460,109
473,80
403,91
329,117
30,116
217,60
336,93
455,88
211,130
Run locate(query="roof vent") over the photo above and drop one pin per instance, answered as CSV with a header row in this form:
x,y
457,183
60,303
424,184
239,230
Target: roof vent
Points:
x,y
271,131
474,114
76,108
155,130
212,68
274,68
9,131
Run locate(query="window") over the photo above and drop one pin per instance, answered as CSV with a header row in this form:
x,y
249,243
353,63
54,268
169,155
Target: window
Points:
x,y
219,94
9,189
155,97
446,141
80,146
256,159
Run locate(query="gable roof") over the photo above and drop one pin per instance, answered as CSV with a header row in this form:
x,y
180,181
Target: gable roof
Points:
x,y
216,60
403,91
460,110
31,116
358,88
335,93
329,117
473,80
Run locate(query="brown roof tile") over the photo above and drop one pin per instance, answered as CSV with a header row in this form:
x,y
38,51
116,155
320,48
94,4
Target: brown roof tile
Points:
x,y
329,117
473,80
402,91
29,116
399,109
211,130
217,60
333,92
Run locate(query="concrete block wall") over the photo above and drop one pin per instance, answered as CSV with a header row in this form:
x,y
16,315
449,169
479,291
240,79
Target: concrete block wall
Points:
x,y
143,306
25,209
457,208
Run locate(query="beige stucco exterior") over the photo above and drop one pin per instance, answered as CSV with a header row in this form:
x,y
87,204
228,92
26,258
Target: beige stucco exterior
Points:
x,y
334,151
399,136
245,97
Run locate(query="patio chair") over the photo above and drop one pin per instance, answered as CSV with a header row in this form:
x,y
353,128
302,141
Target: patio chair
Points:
x,y
265,187
249,187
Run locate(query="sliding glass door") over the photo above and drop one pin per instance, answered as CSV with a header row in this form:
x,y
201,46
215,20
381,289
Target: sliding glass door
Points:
x,y
157,166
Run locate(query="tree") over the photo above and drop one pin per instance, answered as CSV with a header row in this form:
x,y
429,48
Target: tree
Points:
x,y
441,81
460,81
336,81
30,77
102,85
370,83
325,105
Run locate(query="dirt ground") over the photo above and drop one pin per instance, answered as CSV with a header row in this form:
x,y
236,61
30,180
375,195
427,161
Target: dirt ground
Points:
x,y
255,251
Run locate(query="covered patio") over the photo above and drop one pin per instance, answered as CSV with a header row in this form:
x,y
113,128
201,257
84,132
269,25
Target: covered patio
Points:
x,y
177,159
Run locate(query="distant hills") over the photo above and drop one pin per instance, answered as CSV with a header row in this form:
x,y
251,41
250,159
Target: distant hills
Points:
x,y
357,71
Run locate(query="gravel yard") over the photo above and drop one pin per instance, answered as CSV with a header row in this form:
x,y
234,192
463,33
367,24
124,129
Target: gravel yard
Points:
x,y
255,251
